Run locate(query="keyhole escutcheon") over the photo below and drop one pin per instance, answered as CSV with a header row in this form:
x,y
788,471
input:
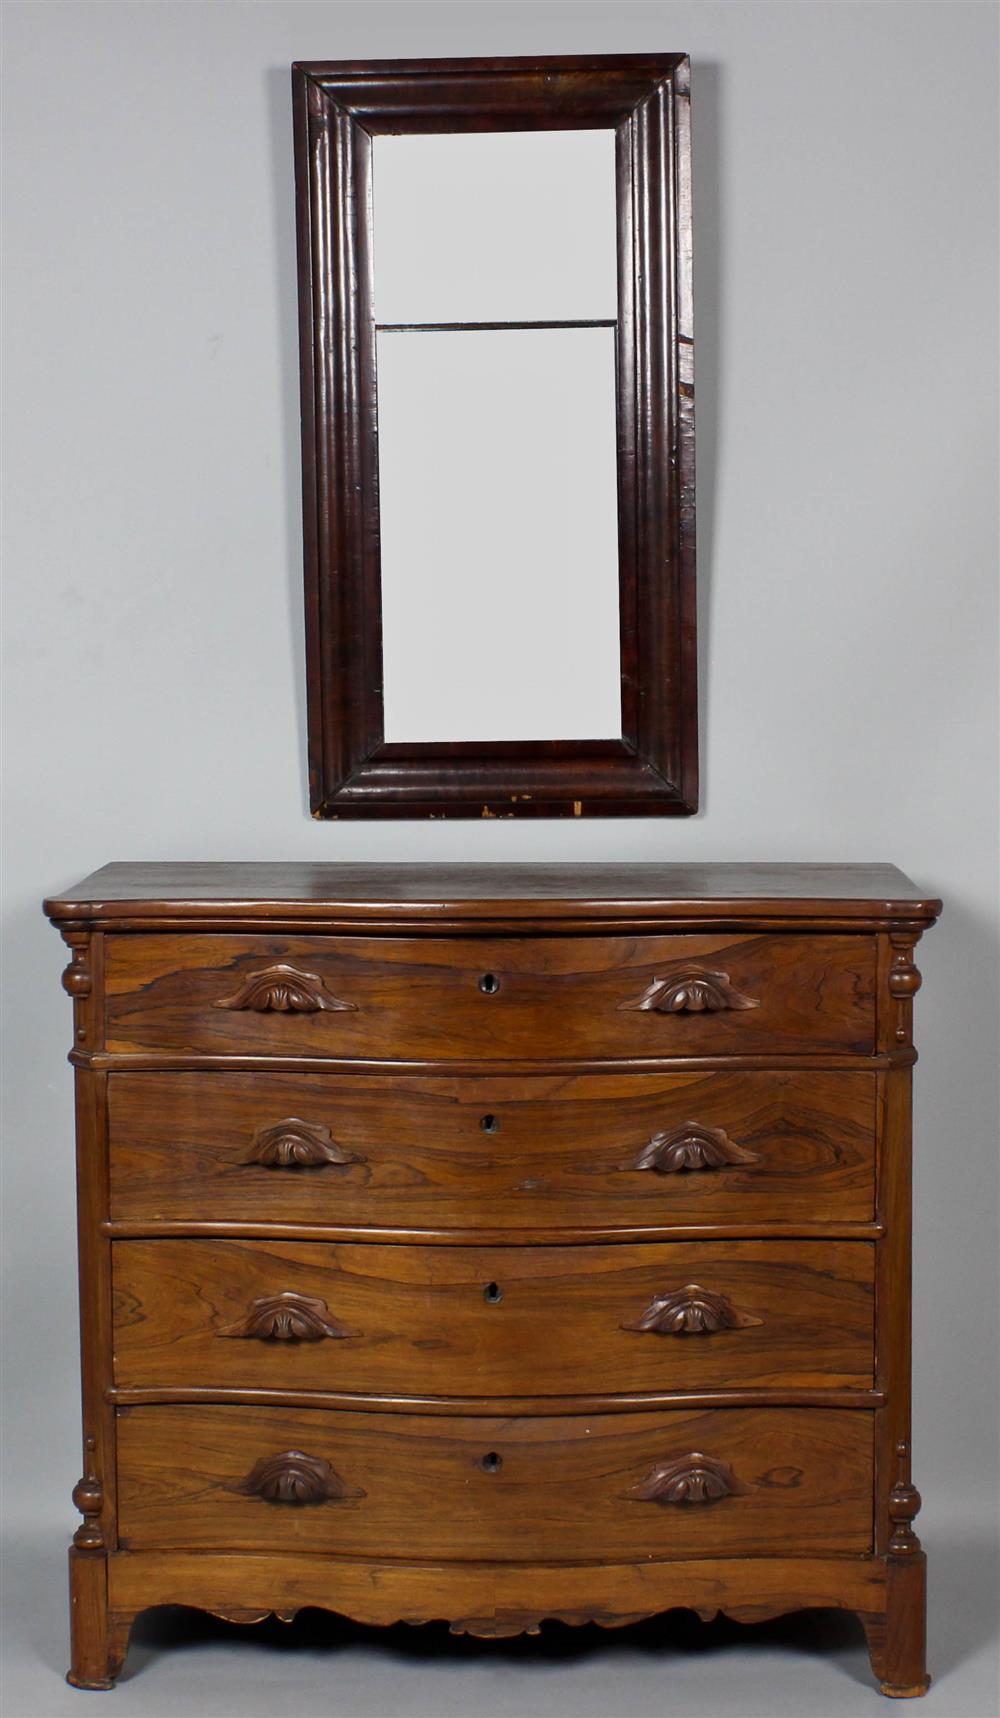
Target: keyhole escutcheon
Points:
x,y
489,984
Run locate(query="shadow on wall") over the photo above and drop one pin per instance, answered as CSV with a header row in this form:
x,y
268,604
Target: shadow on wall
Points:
x,y
707,136
278,91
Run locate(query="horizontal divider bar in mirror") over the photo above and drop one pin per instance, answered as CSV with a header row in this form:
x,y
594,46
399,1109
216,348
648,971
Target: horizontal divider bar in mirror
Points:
x,y
487,327
485,751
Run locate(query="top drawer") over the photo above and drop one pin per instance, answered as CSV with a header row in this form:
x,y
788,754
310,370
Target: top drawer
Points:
x,y
470,998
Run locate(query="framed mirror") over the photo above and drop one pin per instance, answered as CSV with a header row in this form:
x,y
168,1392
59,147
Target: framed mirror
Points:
x,y
494,272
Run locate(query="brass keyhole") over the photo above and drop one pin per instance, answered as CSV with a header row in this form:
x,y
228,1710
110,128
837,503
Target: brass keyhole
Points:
x,y
491,1462
493,1293
489,984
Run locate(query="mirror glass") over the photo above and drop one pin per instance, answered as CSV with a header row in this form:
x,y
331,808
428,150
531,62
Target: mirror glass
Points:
x,y
495,226
499,534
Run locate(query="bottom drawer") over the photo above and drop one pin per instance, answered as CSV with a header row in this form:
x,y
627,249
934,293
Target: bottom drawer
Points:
x,y
562,1488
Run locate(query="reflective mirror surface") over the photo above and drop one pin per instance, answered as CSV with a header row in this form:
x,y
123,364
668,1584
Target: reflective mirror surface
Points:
x,y
499,528
495,226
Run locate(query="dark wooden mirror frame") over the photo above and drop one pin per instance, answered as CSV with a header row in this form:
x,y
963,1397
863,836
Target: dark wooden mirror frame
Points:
x,y
653,769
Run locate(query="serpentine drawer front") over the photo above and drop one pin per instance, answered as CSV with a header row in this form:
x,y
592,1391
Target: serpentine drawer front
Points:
x,y
470,1321
614,1485
553,1152
405,999
495,1245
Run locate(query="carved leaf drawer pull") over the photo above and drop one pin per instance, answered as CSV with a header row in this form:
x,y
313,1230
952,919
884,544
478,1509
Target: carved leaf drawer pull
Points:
x,y
287,1317
284,990
294,1144
691,1311
294,1477
691,1146
694,1478
691,990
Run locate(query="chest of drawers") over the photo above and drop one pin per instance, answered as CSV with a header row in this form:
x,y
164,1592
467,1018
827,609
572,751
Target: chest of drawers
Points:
x,y
495,1244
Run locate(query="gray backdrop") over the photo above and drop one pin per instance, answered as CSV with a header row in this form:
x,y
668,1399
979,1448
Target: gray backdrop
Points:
x,y
845,214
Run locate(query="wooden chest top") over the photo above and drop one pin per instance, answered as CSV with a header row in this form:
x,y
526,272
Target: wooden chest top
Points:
x,y
600,894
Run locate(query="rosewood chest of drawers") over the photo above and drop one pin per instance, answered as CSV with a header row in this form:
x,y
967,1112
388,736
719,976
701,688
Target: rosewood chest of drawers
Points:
x,y
495,1244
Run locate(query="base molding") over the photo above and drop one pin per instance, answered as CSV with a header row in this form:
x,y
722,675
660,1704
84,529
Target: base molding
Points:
x,y
495,1594
496,1600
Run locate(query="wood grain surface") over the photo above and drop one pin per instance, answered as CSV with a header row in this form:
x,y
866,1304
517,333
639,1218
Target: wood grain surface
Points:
x,y
448,999
560,1493
491,1599
436,1260
260,890
410,894
530,1153
511,1321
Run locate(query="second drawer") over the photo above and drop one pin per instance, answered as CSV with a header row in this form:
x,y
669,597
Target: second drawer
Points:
x,y
519,1153
499,1321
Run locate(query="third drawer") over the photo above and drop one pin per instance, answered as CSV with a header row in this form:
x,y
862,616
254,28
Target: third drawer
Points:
x,y
413,1321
